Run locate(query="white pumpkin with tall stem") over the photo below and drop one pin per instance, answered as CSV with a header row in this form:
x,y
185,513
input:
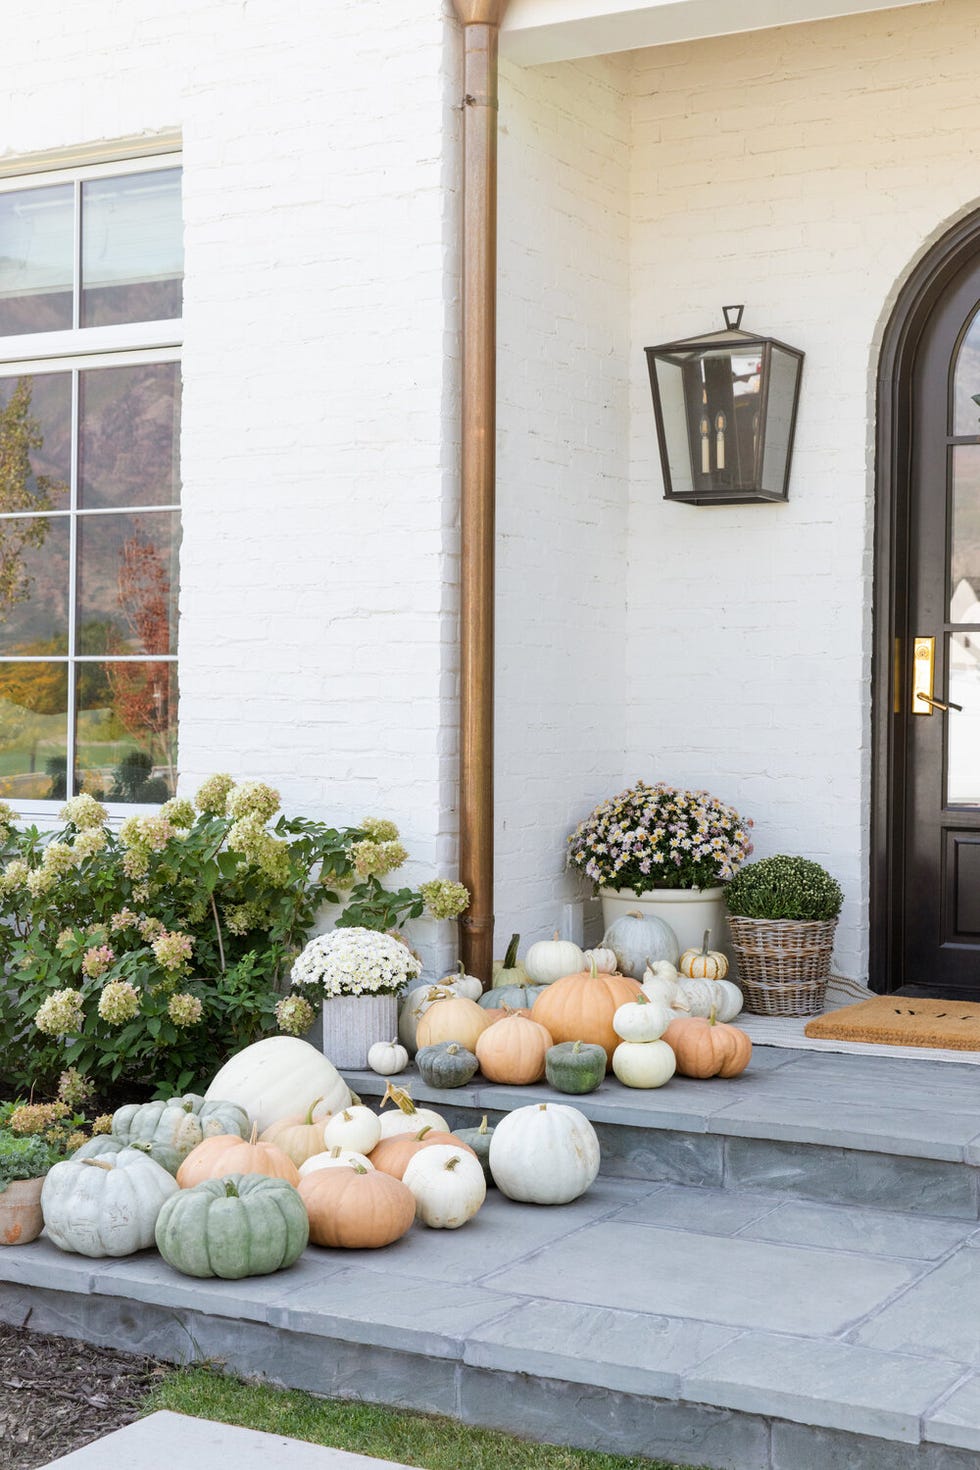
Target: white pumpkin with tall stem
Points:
x,y
448,1185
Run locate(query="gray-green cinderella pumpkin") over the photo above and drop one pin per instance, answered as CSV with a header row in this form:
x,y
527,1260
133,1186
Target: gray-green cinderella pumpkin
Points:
x,y
479,1141
511,997
167,1130
242,1225
445,1064
575,1066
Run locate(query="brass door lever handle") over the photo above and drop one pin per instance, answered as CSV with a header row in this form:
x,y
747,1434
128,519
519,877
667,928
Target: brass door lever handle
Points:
x,y
937,703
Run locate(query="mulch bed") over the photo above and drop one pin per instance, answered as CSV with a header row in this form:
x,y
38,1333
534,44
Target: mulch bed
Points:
x,y
57,1394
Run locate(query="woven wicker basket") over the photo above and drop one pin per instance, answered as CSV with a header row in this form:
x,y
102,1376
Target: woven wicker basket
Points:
x,y
783,964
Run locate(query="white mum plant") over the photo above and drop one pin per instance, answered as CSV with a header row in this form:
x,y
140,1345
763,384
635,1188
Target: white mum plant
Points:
x,y
355,962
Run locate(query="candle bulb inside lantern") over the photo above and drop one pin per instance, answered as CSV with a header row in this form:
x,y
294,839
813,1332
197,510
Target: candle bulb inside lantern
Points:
x,y
720,425
706,446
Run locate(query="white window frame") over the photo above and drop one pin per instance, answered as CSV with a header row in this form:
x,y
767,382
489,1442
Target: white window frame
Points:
x,y
74,350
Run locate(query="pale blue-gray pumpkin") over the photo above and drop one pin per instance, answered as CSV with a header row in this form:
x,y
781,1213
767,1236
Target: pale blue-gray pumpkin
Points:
x,y
575,1066
445,1064
173,1126
479,1141
241,1225
511,997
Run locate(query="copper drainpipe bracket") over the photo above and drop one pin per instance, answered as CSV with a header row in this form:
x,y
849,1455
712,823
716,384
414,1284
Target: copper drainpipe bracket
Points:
x,y
478,427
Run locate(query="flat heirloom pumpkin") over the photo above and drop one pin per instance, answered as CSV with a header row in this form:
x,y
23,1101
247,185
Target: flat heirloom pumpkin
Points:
x,y
242,1225
281,1075
107,1206
169,1130
546,1154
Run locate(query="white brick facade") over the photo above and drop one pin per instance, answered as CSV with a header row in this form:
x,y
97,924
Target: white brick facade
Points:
x,y
798,170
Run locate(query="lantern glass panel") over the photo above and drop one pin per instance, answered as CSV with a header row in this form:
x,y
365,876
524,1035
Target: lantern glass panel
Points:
x,y
783,377
670,381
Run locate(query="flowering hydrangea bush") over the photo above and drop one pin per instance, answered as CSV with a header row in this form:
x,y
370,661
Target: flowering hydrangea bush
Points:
x,y
150,953
660,837
355,962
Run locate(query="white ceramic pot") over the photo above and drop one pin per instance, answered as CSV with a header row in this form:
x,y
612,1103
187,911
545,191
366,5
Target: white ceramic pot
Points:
x,y
353,1023
688,911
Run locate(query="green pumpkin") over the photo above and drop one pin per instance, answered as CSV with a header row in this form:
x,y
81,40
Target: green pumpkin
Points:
x,y
509,971
479,1141
242,1225
511,997
575,1066
173,1126
446,1064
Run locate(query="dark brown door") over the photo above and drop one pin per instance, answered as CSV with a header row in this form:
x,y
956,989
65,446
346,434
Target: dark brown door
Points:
x,y
940,943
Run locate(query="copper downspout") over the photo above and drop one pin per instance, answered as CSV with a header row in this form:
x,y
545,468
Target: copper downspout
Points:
x,y
481,20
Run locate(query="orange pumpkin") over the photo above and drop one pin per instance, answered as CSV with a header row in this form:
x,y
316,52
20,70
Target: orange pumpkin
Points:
x,y
513,1050
227,1154
581,1007
300,1135
393,1155
452,1019
356,1208
708,1048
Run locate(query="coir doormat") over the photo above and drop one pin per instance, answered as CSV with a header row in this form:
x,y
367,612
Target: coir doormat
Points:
x,y
899,1020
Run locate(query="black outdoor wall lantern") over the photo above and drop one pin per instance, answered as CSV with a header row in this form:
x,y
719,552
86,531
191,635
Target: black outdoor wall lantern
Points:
x,y
725,405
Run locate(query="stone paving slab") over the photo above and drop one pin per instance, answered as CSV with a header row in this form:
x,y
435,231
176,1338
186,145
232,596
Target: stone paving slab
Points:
x,y
916,1132
731,1280
163,1440
147,1278
957,1420
939,1314
831,1384
852,1228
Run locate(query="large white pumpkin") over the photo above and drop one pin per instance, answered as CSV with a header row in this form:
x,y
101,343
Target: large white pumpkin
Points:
x,y
553,959
277,1077
639,940
546,1153
448,1184
106,1206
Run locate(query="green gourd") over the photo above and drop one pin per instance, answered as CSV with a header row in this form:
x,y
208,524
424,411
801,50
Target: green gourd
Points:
x,y
511,997
575,1066
479,1141
446,1064
171,1128
242,1225
509,971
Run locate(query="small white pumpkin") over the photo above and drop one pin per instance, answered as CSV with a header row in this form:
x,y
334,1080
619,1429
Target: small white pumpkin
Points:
x,y
106,1206
355,1128
664,991
553,959
642,1019
405,1117
546,1154
274,1078
644,1063
663,968
703,963
719,996
448,1184
639,939
605,960
414,1007
466,985
334,1158
387,1057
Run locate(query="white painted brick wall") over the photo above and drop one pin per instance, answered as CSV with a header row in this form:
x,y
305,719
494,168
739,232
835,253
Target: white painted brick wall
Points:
x,y
800,171
563,441
320,156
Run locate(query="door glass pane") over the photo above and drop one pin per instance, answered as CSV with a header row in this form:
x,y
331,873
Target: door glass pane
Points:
x,y
34,584
33,731
132,249
127,583
966,382
963,726
965,535
126,730
37,230
35,442
129,436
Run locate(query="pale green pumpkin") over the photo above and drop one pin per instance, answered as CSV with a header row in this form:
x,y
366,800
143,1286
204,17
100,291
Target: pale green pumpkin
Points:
x,y
242,1225
479,1141
169,1129
511,997
509,971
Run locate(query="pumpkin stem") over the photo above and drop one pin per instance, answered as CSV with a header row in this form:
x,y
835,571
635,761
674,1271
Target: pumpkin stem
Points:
x,y
450,1164
704,942
230,1191
336,1151
452,1049
542,1107
309,1113
358,1168
355,1101
255,1133
510,958
97,1164
345,1115
593,968
423,1131
483,1126
576,1047
713,1017
401,1098
636,914
642,999
554,937
460,968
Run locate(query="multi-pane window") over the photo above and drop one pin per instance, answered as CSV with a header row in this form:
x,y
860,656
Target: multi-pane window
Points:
x,y
91,268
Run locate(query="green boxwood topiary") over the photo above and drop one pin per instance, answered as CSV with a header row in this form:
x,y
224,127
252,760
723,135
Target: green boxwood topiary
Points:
x,y
784,888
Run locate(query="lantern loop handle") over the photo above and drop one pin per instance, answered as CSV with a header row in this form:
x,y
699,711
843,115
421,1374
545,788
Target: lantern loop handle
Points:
x,y
733,317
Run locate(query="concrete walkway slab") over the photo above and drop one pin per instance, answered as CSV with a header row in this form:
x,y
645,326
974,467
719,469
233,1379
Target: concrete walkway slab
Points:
x,y
163,1440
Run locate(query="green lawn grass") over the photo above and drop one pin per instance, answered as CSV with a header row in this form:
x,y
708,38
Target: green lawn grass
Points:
x,y
388,1434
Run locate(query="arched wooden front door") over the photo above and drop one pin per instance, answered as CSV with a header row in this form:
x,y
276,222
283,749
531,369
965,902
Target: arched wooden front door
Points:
x,y
926,873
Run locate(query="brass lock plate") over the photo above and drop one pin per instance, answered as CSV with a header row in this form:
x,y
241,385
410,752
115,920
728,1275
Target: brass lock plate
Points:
x,y
923,660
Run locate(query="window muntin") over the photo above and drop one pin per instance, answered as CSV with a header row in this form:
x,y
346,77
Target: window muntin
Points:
x,y
90,489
